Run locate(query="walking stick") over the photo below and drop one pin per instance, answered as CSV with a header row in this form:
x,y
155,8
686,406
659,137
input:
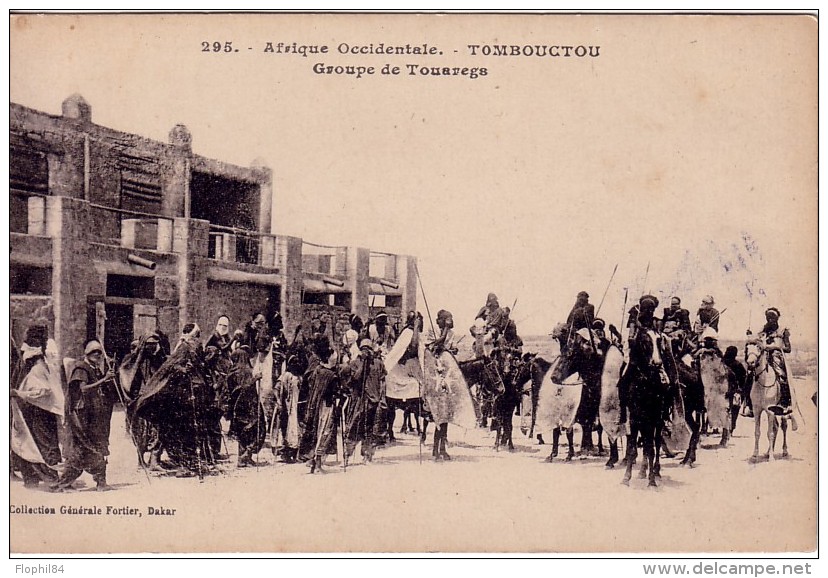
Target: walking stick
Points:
x,y
197,431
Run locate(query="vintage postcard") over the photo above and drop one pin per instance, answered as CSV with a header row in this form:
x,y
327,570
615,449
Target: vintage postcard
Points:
x,y
305,283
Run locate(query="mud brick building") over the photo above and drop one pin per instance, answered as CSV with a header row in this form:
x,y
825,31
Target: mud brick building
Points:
x,y
115,235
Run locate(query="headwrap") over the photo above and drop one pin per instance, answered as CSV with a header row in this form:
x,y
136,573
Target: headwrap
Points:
x,y
36,336
648,302
190,332
773,310
225,330
93,346
708,300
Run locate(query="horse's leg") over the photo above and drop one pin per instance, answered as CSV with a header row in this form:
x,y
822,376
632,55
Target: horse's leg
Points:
x,y
424,433
773,426
600,430
389,421
556,438
570,438
658,441
498,434
650,450
586,440
725,437
508,428
418,414
757,432
405,420
613,454
695,436
784,438
630,456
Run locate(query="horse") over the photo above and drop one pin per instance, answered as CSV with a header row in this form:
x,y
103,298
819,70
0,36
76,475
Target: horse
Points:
x,y
717,380
507,402
648,393
532,369
765,393
610,406
483,373
569,406
134,371
409,407
688,399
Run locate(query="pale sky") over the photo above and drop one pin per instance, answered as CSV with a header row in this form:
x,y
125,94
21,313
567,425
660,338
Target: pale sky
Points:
x,y
688,144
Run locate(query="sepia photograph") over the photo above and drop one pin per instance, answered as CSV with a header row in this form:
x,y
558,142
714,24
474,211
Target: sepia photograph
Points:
x,y
413,284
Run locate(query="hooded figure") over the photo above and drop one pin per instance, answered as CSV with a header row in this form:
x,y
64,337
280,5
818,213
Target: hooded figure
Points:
x,y
321,417
247,421
89,401
176,400
36,406
364,379
493,315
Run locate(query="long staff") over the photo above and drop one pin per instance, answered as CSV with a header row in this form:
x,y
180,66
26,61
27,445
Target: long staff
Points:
x,y
419,385
597,311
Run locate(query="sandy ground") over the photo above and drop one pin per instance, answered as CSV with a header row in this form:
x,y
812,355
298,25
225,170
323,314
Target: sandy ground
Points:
x,y
481,501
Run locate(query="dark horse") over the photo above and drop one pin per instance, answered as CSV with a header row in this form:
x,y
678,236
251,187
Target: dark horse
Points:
x,y
687,384
580,356
648,395
509,364
532,368
409,407
484,373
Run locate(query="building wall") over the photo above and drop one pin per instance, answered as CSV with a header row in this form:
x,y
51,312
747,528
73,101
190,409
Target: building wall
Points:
x,y
73,229
239,301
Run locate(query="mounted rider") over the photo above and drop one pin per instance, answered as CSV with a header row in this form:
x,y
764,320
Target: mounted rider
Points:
x,y
776,342
642,320
581,316
676,325
707,317
494,317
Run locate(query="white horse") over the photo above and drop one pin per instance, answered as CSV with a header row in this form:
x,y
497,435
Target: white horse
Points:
x,y
765,393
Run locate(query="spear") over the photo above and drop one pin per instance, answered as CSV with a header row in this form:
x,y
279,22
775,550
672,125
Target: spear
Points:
x,y
646,276
605,290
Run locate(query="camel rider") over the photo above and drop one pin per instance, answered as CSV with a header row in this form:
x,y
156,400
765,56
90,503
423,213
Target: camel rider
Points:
x,y
706,316
776,342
